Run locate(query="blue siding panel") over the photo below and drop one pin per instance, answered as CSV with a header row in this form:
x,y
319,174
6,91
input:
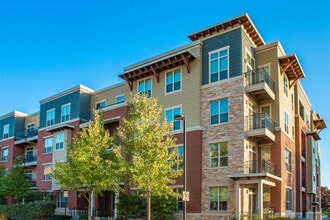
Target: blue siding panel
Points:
x,y
11,121
233,39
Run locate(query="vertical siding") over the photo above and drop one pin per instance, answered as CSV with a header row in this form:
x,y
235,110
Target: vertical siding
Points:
x,y
233,39
9,120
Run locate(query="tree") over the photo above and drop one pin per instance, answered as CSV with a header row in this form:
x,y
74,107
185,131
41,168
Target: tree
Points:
x,y
325,194
93,163
16,183
146,142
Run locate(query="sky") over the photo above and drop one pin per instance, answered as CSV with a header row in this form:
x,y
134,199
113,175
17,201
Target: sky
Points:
x,y
50,46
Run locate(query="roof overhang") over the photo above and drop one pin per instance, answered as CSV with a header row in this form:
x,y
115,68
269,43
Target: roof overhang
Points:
x,y
319,122
291,67
242,20
315,135
59,127
154,68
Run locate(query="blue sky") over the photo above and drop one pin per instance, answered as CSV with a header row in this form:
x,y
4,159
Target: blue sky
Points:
x,y
50,46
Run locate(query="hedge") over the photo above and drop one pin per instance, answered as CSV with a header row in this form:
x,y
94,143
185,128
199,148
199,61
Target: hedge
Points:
x,y
41,210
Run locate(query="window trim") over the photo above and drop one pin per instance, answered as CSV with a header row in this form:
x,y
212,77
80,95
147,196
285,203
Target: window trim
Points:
x,y
121,95
218,145
144,89
228,64
44,175
47,120
6,128
286,123
287,202
2,149
64,107
288,162
219,111
165,81
100,102
174,120
51,151
61,144
218,199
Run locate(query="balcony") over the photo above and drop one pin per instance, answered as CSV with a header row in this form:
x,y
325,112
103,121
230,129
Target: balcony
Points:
x,y
263,166
261,127
26,136
259,84
29,160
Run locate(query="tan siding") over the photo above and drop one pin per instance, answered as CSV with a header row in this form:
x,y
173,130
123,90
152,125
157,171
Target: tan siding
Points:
x,y
32,119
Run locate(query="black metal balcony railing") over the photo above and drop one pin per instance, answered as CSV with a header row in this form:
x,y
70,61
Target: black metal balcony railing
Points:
x,y
260,166
33,183
27,133
28,158
259,121
259,76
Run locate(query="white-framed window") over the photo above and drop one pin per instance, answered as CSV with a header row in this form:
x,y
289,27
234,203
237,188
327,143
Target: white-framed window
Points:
x,y
65,112
286,84
100,104
218,198
144,87
4,151
48,145
179,150
120,99
59,141
250,61
288,199
219,154
50,120
219,64
173,81
46,171
5,131
286,122
62,201
288,160
170,113
219,111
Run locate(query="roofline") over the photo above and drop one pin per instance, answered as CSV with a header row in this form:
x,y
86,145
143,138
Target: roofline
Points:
x,y
68,91
159,57
13,113
109,87
230,22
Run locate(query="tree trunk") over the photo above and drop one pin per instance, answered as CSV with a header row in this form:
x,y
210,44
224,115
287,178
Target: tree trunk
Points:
x,y
91,204
149,205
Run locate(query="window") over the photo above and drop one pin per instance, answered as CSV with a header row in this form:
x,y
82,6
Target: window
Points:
x,y
218,198
286,122
179,202
219,154
48,148
170,113
4,154
30,130
219,111
62,201
120,99
307,118
59,141
250,62
288,160
173,81
286,85
100,104
179,157
46,171
50,117
144,87
218,64
6,131
288,199
65,112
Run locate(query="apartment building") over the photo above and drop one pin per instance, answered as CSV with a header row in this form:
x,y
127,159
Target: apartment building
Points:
x,y
252,138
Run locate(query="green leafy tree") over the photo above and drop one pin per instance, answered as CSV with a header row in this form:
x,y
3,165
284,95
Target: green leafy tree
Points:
x,y
93,163
15,183
146,141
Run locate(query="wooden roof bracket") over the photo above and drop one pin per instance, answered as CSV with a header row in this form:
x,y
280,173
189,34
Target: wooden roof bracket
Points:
x,y
129,82
156,73
287,67
186,63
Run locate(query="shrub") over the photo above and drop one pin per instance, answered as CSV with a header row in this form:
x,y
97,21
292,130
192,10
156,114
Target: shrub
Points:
x,y
131,206
33,210
162,208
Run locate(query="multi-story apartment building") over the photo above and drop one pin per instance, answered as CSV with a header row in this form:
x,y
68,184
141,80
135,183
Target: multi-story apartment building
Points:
x,y
252,139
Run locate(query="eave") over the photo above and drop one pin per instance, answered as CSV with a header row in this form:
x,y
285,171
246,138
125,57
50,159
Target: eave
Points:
x,y
154,68
319,123
291,67
243,20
